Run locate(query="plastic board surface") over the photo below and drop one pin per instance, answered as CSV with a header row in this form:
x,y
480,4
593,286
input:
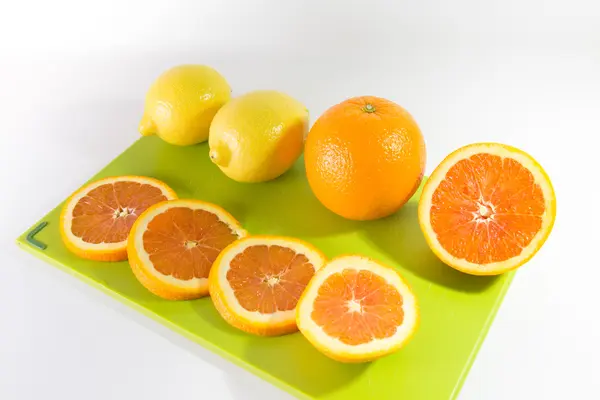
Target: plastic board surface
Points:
x,y
456,309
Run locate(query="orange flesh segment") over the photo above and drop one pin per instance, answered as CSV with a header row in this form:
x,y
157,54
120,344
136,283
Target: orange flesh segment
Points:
x,y
107,213
268,279
357,307
184,243
487,209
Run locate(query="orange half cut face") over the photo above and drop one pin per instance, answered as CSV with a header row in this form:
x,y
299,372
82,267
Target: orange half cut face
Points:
x,y
487,209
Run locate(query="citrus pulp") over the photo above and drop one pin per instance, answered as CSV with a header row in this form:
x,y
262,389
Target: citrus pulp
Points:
x,y
487,208
173,245
256,282
95,221
356,309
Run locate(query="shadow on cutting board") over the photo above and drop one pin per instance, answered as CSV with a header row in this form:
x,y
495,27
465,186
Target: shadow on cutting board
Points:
x,y
307,367
401,238
283,206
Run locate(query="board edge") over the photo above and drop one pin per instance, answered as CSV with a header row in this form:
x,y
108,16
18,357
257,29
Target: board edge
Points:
x,y
484,332
22,243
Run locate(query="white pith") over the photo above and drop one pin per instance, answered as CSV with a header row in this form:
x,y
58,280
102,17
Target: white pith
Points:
x,y
505,152
314,257
306,322
142,226
68,221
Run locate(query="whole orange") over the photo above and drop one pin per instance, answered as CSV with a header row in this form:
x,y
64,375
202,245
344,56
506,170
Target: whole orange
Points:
x,y
365,157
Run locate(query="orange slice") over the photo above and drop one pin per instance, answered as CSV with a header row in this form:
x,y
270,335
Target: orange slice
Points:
x,y
356,310
256,282
95,221
487,209
173,245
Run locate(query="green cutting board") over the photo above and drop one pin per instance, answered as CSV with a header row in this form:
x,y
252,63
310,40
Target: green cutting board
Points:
x,y
456,309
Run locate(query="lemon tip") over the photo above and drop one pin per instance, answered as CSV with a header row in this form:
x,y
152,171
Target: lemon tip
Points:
x,y
147,127
220,158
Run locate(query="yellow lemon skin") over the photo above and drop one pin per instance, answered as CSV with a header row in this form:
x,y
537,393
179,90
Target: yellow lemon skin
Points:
x,y
182,102
258,136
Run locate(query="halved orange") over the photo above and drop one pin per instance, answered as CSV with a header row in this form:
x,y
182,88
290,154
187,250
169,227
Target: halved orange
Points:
x,y
356,310
95,221
256,282
487,209
173,245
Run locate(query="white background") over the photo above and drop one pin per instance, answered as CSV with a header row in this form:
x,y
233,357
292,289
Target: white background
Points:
x,y
73,75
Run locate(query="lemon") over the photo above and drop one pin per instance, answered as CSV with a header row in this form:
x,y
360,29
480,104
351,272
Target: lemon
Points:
x,y
182,102
258,136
